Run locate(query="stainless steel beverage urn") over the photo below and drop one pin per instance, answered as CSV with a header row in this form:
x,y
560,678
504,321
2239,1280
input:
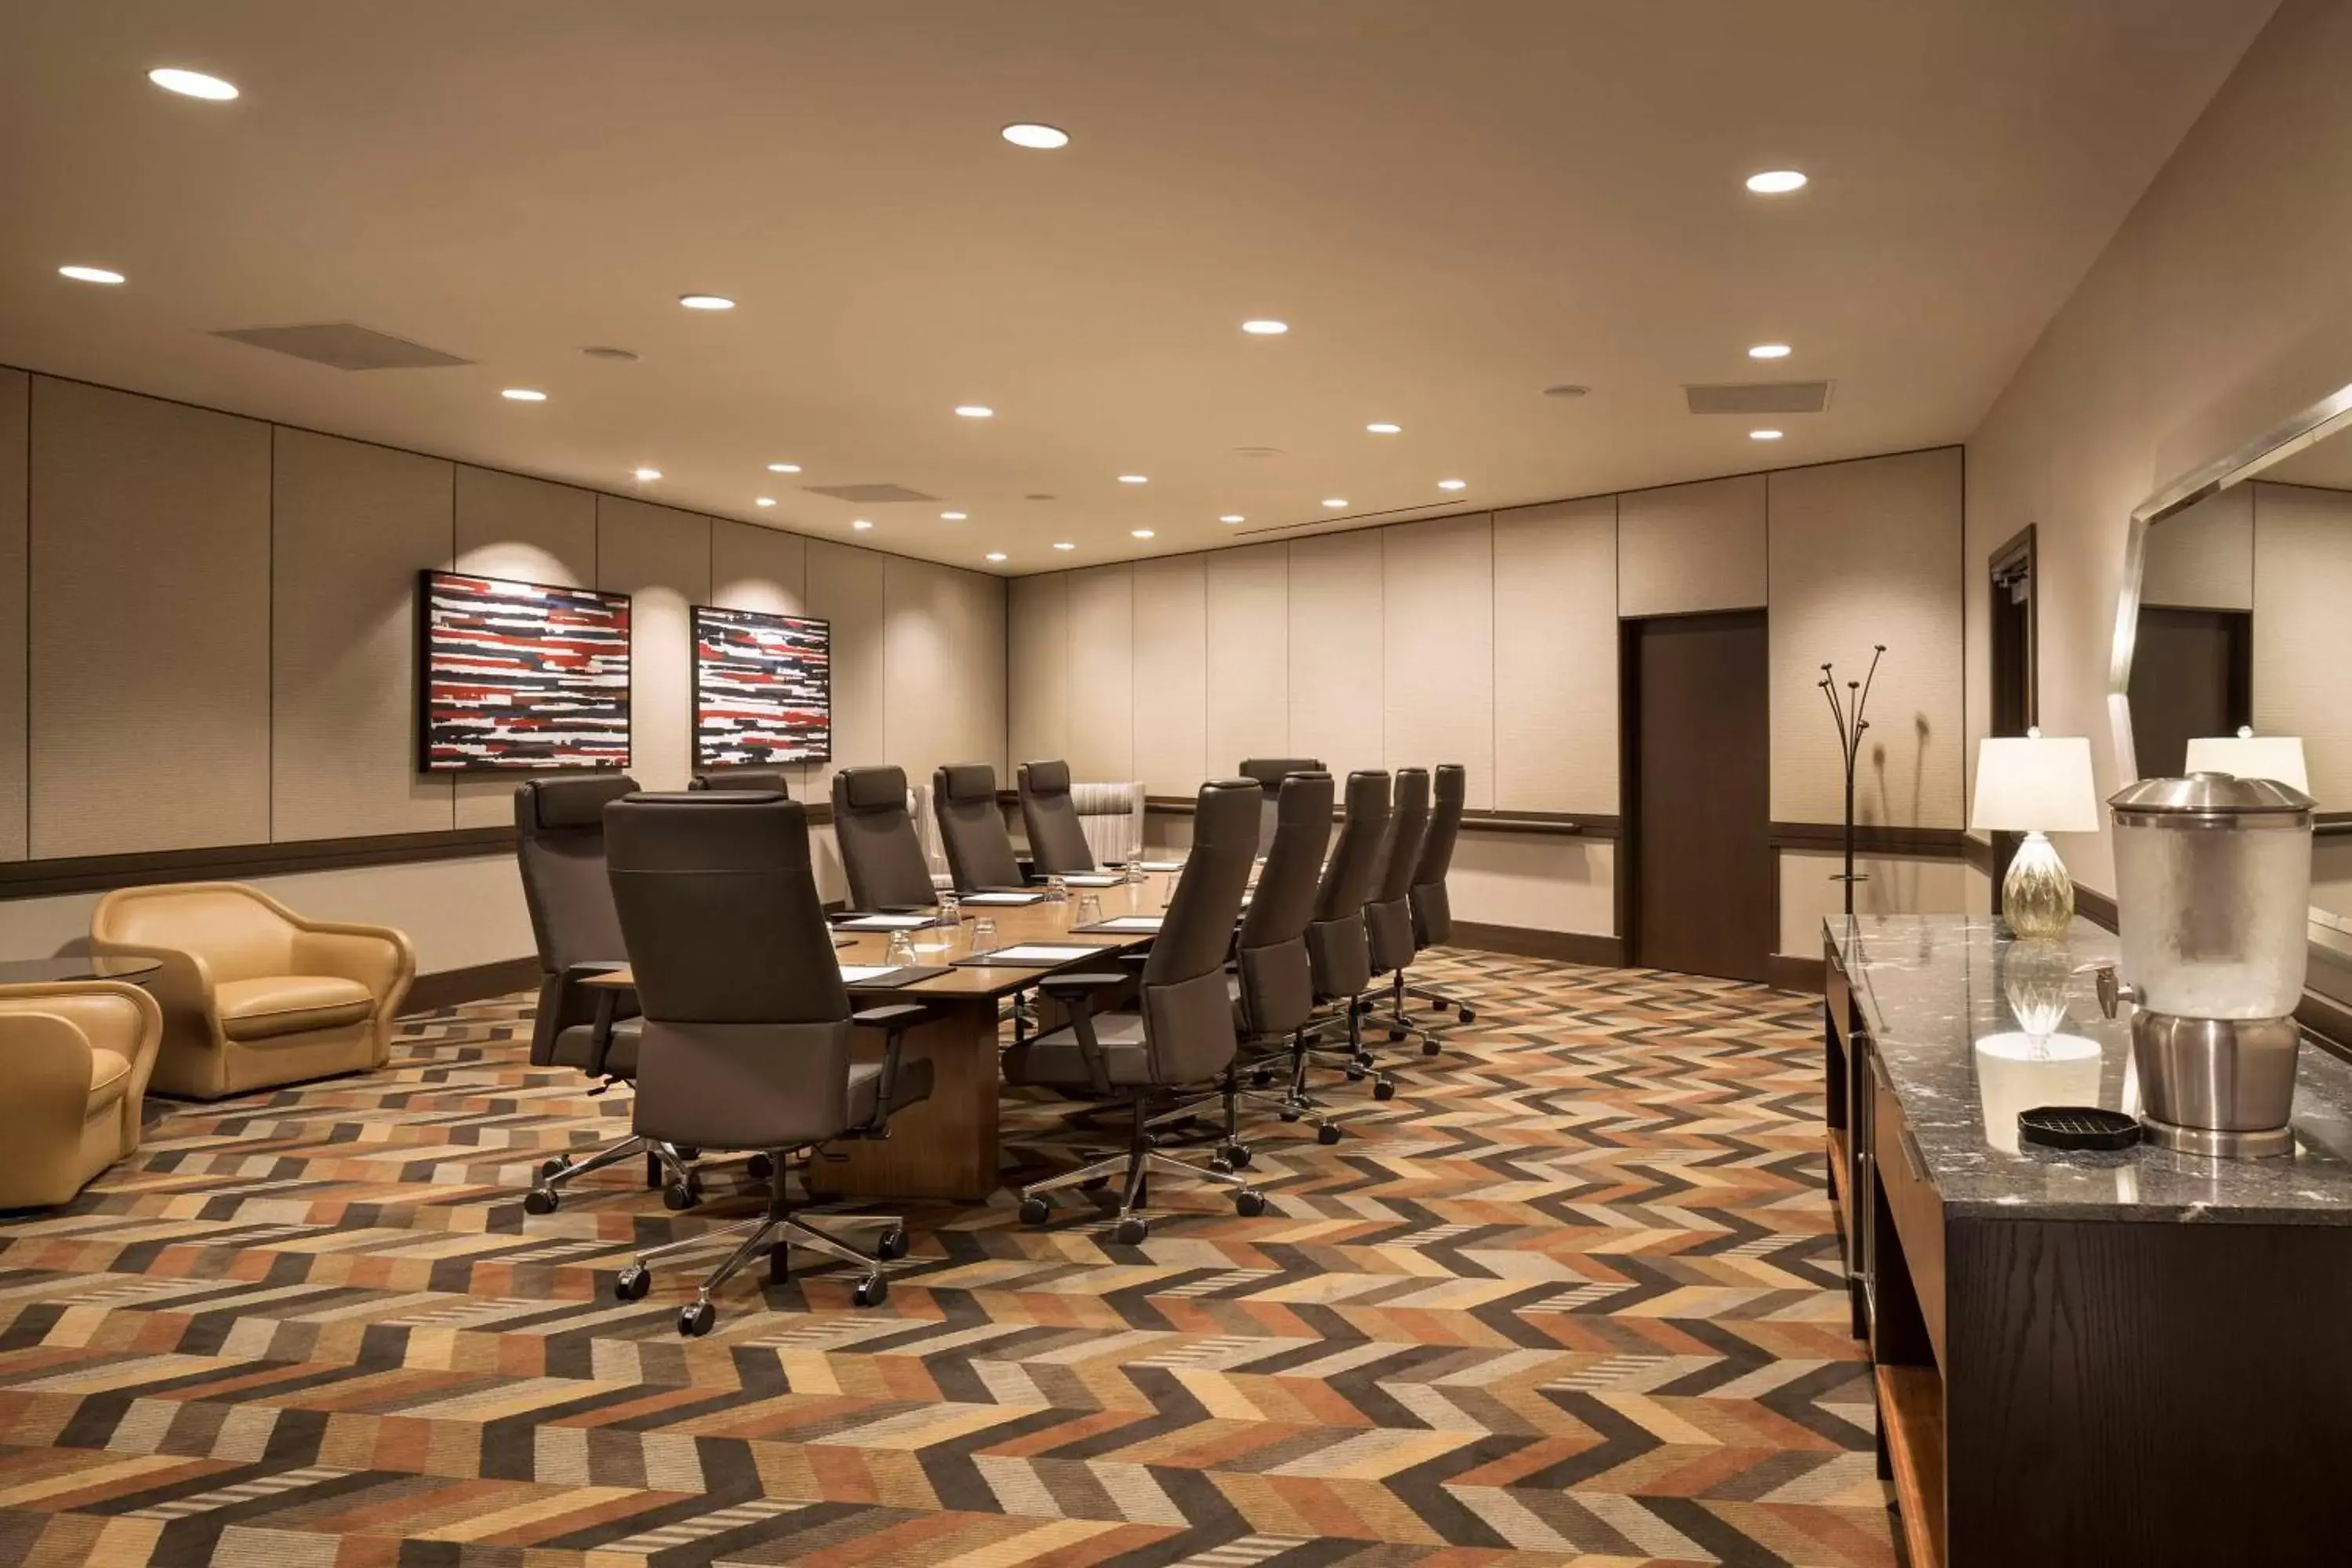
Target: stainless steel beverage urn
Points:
x,y
2212,898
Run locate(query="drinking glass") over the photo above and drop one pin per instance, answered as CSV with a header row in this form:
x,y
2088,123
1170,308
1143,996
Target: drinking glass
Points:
x,y
1090,908
951,909
902,948
1058,892
983,932
1135,861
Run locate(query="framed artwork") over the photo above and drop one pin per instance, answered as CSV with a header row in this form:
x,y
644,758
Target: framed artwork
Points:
x,y
519,676
762,688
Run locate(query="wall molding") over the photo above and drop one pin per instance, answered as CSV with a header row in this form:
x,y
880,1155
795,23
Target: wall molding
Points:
x,y
2094,907
1523,941
1872,838
1581,824
476,982
236,862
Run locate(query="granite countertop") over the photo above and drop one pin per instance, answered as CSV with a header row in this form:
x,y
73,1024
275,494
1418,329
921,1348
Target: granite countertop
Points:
x,y
1930,988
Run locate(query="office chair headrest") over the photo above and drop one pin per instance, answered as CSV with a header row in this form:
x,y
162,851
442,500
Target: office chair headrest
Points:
x,y
1225,812
1270,772
967,781
1452,784
1305,797
1412,787
555,805
704,831
1046,778
1368,793
874,789
765,781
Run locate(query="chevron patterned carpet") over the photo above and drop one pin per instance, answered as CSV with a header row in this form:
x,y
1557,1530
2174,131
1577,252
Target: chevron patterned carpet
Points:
x,y
1570,1297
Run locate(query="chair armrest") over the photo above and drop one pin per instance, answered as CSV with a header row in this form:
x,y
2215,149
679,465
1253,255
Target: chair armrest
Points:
x,y
894,1015
1093,980
378,957
46,1060
183,986
894,1019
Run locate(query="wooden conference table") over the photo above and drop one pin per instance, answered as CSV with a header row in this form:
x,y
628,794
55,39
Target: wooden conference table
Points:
x,y
945,1147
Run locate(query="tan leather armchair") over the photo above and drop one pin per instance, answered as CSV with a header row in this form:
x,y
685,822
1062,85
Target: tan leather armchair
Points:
x,y
253,994
76,1058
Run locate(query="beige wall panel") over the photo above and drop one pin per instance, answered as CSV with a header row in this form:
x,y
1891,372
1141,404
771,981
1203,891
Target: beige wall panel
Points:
x,y
149,532
1171,676
2303,630
351,526
1101,740
1898,885
1438,641
1689,548
1868,552
1336,696
762,569
1248,606
1037,615
16,393
943,664
845,587
2331,876
660,557
526,530
1548,882
1977,892
1556,657
2204,557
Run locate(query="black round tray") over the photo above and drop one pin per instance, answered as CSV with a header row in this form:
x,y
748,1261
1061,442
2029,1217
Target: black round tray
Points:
x,y
2077,1127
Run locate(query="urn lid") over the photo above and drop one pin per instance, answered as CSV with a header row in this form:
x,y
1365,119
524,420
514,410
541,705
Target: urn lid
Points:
x,y
2210,800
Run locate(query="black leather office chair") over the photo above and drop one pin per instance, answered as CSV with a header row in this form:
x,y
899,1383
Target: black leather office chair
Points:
x,y
1057,843
1273,981
971,828
747,1028
559,854
1388,916
760,781
1432,911
1338,946
1270,772
881,857
1181,1031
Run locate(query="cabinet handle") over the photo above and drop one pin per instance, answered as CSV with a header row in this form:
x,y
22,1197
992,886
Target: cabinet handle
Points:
x,y
1913,1160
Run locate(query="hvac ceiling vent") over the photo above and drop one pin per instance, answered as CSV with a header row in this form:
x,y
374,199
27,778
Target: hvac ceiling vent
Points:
x,y
867,495
1759,397
345,345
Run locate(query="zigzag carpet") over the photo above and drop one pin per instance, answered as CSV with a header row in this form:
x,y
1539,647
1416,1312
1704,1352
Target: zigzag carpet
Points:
x,y
1571,1298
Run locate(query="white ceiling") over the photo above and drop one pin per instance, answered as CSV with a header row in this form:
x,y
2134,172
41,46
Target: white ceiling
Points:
x,y
1454,205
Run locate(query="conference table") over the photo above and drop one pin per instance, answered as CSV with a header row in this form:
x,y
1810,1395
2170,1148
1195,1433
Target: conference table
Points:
x,y
945,1147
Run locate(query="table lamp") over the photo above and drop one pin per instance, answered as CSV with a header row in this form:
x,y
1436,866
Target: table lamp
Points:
x,y
2037,785
2247,755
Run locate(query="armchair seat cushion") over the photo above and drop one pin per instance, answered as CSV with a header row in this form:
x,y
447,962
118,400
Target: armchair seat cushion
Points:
x,y
914,1083
289,1005
109,1075
1053,1060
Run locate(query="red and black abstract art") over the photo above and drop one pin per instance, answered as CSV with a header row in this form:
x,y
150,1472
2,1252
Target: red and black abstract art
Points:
x,y
521,675
762,688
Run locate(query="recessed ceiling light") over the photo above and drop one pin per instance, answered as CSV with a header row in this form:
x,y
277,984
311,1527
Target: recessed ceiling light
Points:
x,y
763,500
1140,532
1769,350
1385,429
1334,502
191,84
860,524
90,274
1134,478
996,555
1232,517
952,516
705,301
523,395
1776,182
1453,484
784,467
1566,389
649,474
1763,434
607,352
1064,545
1265,326
1043,138
975,411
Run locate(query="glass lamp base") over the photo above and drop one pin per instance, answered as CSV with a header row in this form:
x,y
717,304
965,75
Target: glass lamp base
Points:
x,y
2037,897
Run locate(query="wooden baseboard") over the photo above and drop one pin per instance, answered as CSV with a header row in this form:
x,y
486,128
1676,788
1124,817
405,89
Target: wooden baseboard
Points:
x,y
476,982
2094,907
1522,942
239,862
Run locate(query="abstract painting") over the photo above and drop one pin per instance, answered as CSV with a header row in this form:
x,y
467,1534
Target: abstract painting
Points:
x,y
762,688
521,675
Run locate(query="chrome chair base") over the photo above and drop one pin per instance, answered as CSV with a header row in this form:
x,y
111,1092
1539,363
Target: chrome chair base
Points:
x,y
1140,1160
782,1228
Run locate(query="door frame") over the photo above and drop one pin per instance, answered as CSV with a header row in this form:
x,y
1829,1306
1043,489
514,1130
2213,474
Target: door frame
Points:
x,y
2016,558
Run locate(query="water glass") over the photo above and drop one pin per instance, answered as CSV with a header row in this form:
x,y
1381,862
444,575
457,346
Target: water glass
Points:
x,y
1090,908
1135,862
983,932
1058,892
902,948
951,909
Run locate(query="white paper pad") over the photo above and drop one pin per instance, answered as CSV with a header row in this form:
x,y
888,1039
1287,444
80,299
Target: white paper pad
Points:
x,y
885,922
1002,900
1039,952
1163,864
858,973
1130,922
1091,879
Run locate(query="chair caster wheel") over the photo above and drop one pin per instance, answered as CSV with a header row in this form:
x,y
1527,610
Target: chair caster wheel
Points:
x,y
1354,1074
1233,1157
633,1283
695,1322
1327,1134
759,1167
1260,1079
1287,1115
1132,1230
891,1245
1468,1016
681,1194
1430,1048
870,1291
550,1169
540,1199
1363,1058
1384,1089
1034,1211
1397,1035
1249,1204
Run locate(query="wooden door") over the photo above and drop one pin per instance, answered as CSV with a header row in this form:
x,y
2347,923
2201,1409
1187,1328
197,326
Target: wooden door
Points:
x,y
1699,754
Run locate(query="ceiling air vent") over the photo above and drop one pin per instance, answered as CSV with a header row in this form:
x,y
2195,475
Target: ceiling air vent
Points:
x,y
1759,397
345,345
867,495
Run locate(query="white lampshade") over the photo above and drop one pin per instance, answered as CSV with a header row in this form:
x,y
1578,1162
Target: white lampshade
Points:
x,y
2034,783
2278,757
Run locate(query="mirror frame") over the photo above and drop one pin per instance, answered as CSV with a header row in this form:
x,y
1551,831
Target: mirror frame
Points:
x,y
2282,441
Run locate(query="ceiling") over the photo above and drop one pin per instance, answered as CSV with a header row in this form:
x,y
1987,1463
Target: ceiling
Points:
x,y
1454,206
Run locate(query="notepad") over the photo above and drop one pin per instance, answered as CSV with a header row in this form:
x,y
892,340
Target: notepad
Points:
x,y
1092,880
1162,865
1127,923
1028,955
1002,900
859,974
886,923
